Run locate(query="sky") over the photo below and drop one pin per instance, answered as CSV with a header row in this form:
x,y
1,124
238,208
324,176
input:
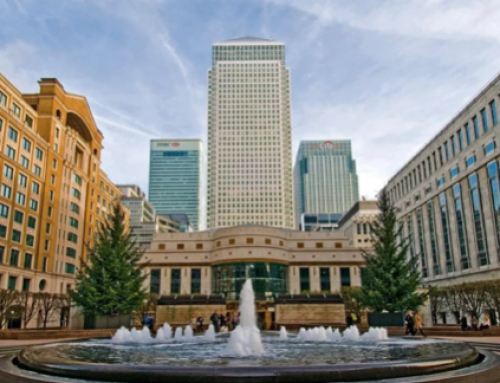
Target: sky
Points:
x,y
386,74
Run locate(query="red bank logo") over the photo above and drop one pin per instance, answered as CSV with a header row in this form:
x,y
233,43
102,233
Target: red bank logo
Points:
x,y
326,145
175,144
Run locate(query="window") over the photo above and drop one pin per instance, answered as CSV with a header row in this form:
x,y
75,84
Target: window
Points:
x,y
12,134
37,170
467,134
489,148
155,281
14,257
77,179
493,110
31,222
175,281
161,246
4,211
18,216
11,153
33,205
74,208
446,151
70,252
304,279
338,245
267,241
76,193
25,163
453,146
47,228
26,145
300,245
3,98
72,237
470,161
281,243
195,281
22,180
319,245
16,236
30,240
28,261
35,188
26,284
492,170
12,283
345,276
433,236
249,241
476,127
54,163
39,154
44,269
16,109
199,246
8,172
450,265
69,268
454,172
460,140
28,120
482,249
324,273
180,246
217,244
2,252
3,231
53,179
73,222
20,198
422,244
484,119
440,154
462,230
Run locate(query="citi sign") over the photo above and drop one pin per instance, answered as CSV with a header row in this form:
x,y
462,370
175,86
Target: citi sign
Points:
x,y
326,145
168,144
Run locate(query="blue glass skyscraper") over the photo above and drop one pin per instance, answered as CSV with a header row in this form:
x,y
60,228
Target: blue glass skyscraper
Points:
x,y
175,178
325,178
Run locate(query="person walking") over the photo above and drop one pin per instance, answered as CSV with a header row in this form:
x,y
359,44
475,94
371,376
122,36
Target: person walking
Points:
x,y
474,323
200,323
463,323
215,318
418,324
193,323
409,323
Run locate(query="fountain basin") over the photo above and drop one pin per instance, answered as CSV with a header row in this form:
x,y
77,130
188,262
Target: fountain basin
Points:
x,y
191,362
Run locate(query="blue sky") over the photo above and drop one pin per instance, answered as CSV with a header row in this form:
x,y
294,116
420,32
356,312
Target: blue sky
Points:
x,y
387,74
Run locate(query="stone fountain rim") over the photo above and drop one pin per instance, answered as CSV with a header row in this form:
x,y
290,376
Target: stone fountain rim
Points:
x,y
307,373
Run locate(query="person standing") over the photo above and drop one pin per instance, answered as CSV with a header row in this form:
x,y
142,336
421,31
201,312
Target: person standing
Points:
x,y
193,323
486,323
418,324
236,320
463,323
215,318
409,323
474,323
200,323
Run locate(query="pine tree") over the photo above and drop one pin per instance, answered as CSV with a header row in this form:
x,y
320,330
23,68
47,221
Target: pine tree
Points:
x,y
109,282
391,280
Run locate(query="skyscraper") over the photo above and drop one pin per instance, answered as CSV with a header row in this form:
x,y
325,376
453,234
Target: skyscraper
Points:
x,y
175,178
325,177
249,135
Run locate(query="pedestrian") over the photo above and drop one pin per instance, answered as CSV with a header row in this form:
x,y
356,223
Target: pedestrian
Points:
x,y
236,320
463,323
223,323
409,323
474,323
486,323
193,322
200,323
349,320
215,318
418,324
147,321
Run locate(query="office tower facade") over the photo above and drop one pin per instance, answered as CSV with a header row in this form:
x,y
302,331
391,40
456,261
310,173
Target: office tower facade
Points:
x,y
53,192
134,199
175,178
249,135
448,196
325,178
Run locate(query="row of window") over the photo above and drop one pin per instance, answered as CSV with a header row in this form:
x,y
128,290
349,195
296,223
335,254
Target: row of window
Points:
x,y
16,110
324,277
175,281
12,283
15,257
448,150
475,219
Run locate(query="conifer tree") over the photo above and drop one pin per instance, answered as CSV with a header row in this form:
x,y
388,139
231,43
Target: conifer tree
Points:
x,y
392,279
109,282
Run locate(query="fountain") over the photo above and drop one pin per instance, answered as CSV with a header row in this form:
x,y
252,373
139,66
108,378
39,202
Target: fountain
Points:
x,y
315,355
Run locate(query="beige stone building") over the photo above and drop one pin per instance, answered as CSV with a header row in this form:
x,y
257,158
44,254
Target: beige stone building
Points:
x,y
449,196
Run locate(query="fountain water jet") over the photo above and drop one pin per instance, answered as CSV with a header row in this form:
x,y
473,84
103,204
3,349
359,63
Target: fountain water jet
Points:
x,y
245,339
210,333
283,333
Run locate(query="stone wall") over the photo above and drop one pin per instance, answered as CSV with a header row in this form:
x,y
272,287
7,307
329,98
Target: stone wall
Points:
x,y
181,314
310,314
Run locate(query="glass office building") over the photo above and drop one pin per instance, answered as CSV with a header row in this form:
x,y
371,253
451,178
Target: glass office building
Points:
x,y
175,178
325,178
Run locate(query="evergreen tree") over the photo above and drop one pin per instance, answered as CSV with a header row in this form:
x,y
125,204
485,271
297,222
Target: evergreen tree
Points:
x,y
391,280
109,282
